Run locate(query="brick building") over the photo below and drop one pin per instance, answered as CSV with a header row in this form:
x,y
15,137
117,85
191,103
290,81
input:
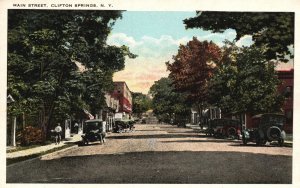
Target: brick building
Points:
x,y
286,89
123,94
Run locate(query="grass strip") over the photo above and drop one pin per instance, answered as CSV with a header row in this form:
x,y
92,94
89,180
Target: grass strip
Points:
x,y
22,148
23,158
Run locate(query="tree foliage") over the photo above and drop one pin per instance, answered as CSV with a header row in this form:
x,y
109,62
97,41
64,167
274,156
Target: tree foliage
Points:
x,y
166,102
42,48
245,82
141,103
192,67
272,31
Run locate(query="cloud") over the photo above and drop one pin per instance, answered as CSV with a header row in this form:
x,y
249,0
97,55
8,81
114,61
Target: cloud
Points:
x,y
141,72
148,46
245,41
120,39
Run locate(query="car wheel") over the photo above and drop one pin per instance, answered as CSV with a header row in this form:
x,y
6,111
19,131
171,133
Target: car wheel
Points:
x,y
231,132
273,133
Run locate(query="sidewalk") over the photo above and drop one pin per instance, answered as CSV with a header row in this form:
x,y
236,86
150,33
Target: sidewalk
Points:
x,y
37,151
195,127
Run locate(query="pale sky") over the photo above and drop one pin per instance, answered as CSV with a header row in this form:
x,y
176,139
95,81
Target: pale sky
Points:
x,y
155,38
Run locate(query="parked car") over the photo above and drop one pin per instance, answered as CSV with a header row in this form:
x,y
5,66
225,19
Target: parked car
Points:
x,y
94,130
123,125
221,128
267,128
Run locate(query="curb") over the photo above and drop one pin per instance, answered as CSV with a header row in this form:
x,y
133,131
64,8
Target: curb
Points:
x,y
58,151
41,155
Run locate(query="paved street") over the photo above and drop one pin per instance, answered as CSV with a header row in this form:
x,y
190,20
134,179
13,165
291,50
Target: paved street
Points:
x,y
159,154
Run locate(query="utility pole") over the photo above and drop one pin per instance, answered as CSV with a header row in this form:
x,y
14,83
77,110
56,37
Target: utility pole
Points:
x,y
10,99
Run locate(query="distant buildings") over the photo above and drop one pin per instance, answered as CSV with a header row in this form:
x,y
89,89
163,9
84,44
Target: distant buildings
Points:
x,y
123,94
286,88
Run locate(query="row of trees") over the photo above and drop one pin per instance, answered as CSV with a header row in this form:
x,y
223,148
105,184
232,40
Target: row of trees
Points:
x,y
140,104
236,79
43,78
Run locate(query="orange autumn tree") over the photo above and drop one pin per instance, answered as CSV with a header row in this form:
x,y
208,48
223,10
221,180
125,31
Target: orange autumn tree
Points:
x,y
191,69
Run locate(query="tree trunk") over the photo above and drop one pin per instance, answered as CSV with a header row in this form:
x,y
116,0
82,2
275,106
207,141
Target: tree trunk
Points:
x,y
48,107
13,131
23,121
199,109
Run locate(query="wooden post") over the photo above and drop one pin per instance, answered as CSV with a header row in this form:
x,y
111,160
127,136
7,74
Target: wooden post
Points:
x,y
13,131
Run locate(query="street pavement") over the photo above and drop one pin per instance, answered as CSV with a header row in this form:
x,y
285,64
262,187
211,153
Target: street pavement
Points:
x,y
159,154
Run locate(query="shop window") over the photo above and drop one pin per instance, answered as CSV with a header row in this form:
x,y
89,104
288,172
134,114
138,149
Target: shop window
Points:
x,y
288,91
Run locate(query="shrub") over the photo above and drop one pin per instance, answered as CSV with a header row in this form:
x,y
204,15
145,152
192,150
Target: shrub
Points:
x,y
31,135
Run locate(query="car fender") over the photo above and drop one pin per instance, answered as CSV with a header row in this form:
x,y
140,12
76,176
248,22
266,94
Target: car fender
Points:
x,y
283,134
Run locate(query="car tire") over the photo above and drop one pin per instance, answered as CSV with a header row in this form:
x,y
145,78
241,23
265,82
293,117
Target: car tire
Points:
x,y
273,128
231,132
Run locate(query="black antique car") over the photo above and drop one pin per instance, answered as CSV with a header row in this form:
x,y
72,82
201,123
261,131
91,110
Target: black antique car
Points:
x,y
267,128
123,125
94,130
221,128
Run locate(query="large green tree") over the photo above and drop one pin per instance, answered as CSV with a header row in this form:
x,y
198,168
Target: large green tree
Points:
x,y
191,69
272,31
244,82
42,48
140,103
168,104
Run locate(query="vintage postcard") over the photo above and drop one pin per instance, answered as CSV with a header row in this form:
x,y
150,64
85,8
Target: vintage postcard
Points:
x,y
149,93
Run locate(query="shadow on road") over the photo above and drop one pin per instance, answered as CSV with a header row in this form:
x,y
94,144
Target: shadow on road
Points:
x,y
208,140
254,145
155,136
207,167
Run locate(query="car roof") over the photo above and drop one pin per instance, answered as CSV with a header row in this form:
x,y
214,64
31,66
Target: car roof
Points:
x,y
93,120
226,119
266,114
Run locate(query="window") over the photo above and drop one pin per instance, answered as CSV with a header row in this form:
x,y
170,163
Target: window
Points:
x,y
288,91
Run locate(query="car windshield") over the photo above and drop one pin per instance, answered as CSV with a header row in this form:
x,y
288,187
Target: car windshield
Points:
x,y
273,119
224,122
91,126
